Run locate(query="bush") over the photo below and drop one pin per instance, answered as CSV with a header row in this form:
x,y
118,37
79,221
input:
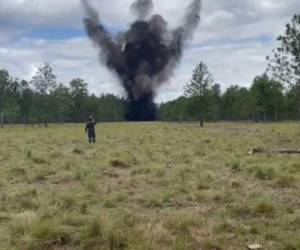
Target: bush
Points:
x,y
262,173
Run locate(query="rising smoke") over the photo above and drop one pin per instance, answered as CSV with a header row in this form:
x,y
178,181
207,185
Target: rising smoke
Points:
x,y
144,56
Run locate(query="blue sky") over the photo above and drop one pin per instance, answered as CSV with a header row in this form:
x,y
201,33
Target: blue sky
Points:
x,y
56,33
234,38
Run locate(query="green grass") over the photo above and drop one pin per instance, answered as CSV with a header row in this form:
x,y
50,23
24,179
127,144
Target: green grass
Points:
x,y
149,186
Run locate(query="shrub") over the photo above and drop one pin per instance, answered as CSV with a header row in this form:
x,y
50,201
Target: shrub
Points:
x,y
262,173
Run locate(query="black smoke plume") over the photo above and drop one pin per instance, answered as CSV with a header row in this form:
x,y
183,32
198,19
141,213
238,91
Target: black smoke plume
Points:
x,y
145,55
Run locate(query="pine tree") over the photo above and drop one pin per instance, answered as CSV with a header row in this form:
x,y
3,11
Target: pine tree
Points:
x,y
285,63
199,88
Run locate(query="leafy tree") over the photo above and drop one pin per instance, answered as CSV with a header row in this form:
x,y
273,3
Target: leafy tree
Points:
x,y
93,105
293,101
44,82
214,107
165,112
4,84
79,95
285,64
11,109
237,103
180,108
268,95
108,108
176,110
63,102
8,96
25,101
199,88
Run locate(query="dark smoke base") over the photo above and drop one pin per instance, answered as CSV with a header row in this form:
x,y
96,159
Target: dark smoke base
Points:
x,y
143,57
142,109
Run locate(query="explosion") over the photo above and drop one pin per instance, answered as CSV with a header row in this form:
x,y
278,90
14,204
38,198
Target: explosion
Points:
x,y
145,56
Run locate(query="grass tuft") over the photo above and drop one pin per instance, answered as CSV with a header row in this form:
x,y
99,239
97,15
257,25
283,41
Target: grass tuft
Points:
x,y
119,164
77,151
263,173
38,160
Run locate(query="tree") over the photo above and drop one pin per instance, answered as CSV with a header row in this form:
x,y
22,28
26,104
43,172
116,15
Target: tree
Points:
x,y
4,84
9,88
25,101
43,100
237,103
79,95
293,101
214,107
63,101
269,98
175,110
109,108
285,63
199,88
44,82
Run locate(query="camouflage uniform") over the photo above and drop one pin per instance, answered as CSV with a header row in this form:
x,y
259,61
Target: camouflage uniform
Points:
x,y
90,130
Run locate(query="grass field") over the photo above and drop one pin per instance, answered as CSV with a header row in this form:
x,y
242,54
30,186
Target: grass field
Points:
x,y
149,186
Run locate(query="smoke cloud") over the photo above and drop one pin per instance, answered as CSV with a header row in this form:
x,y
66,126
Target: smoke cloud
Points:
x,y
142,8
145,56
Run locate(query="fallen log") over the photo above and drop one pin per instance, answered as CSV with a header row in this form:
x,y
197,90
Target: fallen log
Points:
x,y
290,140
277,151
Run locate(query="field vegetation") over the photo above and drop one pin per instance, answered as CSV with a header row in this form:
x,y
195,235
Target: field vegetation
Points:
x,y
149,186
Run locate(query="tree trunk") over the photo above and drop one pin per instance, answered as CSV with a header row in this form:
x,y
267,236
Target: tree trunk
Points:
x,y
299,116
2,120
201,123
201,120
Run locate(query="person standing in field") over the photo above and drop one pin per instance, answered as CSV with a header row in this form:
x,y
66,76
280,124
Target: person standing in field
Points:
x,y
90,129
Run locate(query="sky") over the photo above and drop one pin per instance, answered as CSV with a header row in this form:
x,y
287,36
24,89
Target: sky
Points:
x,y
233,39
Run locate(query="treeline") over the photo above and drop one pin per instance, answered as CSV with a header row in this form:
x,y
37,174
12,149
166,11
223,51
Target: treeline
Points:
x,y
44,100
266,100
273,96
